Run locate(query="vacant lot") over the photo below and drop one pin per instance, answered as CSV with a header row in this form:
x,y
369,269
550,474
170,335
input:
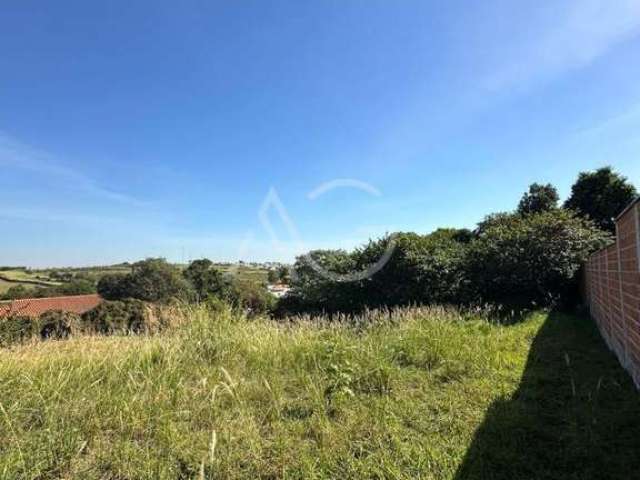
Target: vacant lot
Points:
x,y
428,395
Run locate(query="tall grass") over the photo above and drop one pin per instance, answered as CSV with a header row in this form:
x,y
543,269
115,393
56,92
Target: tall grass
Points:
x,y
398,395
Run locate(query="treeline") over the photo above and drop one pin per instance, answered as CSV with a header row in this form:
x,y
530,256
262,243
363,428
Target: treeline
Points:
x,y
529,257
525,258
157,281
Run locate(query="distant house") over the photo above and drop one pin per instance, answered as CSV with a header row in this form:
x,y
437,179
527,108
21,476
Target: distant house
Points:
x,y
34,307
279,290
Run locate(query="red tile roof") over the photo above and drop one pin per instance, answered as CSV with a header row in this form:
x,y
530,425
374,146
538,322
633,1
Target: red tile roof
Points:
x,y
34,307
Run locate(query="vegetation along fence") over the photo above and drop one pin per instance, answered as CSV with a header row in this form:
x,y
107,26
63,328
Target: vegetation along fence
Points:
x,y
612,287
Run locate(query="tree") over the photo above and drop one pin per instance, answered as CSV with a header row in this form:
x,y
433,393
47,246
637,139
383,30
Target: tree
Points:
x,y
539,198
206,280
284,274
272,276
77,287
252,296
315,291
155,280
112,286
151,280
601,196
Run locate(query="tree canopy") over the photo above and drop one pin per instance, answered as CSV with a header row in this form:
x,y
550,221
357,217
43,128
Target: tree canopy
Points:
x,y
539,198
601,196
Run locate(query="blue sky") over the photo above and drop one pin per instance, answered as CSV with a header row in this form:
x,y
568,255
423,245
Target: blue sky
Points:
x,y
134,129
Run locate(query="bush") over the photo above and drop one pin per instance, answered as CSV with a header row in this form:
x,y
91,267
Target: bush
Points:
x,y
511,259
74,287
16,329
110,317
252,296
112,286
130,316
421,269
316,292
531,260
56,324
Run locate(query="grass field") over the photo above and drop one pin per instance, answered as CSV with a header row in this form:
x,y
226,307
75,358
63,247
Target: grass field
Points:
x,y
427,395
26,278
4,285
245,272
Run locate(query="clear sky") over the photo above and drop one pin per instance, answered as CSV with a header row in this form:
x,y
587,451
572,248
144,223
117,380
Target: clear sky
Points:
x,y
134,129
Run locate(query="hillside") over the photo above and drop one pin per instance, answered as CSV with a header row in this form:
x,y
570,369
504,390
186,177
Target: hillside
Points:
x,y
429,394
13,277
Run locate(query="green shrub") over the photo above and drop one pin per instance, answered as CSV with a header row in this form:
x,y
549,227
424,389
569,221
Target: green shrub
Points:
x,y
511,259
251,296
56,324
520,260
421,269
131,316
17,329
110,317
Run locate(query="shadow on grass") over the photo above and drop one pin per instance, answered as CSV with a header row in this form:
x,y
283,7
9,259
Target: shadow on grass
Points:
x,y
575,415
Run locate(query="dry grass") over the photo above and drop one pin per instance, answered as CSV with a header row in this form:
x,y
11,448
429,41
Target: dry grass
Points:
x,y
225,397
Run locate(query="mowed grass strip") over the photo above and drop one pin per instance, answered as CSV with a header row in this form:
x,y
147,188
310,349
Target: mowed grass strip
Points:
x,y
427,394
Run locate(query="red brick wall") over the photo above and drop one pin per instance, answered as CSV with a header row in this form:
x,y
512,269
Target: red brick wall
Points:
x,y
612,288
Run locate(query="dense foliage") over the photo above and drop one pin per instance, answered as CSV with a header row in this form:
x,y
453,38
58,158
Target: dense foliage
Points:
x,y
118,317
517,260
523,259
156,280
53,324
539,198
601,196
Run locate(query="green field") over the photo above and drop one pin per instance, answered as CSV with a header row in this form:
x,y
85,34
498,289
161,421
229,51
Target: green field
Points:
x,y
27,279
424,394
245,272
4,285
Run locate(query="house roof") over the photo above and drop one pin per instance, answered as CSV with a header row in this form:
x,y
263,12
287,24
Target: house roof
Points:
x,y
34,307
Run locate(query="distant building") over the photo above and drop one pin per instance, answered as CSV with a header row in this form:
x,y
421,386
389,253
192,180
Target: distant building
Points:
x,y
279,290
34,307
